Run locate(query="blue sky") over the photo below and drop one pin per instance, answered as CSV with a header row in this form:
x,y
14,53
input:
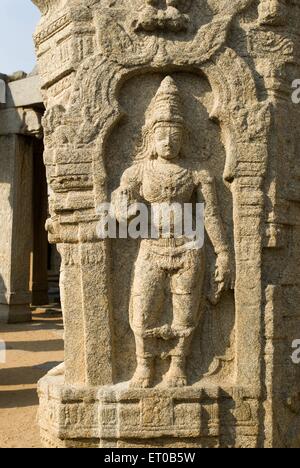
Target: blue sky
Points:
x,y
18,21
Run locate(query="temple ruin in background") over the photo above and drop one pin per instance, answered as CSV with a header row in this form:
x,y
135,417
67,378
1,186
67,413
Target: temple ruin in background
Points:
x,y
27,264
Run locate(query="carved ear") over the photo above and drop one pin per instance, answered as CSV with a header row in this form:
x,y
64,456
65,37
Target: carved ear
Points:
x,y
152,149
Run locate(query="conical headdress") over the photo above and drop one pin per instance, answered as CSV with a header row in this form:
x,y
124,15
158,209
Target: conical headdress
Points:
x,y
166,106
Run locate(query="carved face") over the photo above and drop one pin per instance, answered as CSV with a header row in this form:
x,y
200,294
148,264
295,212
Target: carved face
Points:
x,y
168,141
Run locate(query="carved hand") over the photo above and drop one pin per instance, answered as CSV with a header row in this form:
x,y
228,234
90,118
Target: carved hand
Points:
x,y
124,203
224,278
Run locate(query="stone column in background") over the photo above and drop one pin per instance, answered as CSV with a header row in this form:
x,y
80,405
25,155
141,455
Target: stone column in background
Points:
x,y
16,225
39,266
19,126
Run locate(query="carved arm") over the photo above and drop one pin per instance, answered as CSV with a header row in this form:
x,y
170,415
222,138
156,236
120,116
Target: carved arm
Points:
x,y
224,273
127,194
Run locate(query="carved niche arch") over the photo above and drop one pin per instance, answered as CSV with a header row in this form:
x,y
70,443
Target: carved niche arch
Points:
x,y
93,111
236,109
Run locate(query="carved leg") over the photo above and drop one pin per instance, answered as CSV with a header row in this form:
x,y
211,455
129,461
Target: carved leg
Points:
x,y
145,311
186,296
177,373
144,373
183,326
146,302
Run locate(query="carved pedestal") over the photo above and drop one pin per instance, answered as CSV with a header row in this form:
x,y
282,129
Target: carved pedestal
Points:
x,y
102,64
119,417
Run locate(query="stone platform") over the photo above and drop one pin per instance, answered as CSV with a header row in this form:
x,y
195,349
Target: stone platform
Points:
x,y
118,416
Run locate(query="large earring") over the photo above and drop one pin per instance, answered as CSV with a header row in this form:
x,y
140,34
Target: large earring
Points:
x,y
153,151
153,154
185,139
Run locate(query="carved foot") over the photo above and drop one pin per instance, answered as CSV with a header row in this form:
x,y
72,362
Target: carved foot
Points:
x,y
138,382
176,376
176,382
143,374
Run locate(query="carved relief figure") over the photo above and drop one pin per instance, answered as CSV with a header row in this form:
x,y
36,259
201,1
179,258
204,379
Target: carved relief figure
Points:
x,y
166,264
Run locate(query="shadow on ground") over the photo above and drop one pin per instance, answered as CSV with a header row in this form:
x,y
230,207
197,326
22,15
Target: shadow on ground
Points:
x,y
42,319
18,398
32,349
25,375
35,346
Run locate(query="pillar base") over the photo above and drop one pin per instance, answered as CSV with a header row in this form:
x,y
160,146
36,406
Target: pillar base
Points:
x,y
120,417
40,298
15,313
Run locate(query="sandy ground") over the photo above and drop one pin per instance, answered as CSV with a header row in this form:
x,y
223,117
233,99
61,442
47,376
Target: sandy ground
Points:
x,y
31,350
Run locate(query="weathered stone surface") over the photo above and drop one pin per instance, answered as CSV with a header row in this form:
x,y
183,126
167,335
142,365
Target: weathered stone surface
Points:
x,y
156,338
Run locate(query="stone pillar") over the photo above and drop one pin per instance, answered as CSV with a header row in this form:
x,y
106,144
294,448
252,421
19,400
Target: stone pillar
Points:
x,y
18,127
16,227
39,267
218,78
